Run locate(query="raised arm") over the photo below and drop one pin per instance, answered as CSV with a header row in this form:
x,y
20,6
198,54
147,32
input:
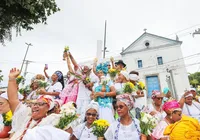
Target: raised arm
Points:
x,y
112,63
94,66
66,55
13,89
45,73
73,62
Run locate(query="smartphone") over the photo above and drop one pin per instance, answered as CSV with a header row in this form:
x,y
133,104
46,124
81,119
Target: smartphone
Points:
x,y
46,66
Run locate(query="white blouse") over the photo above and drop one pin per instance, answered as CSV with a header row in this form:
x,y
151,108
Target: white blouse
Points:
x,y
81,132
57,87
33,95
1,123
128,132
192,110
22,116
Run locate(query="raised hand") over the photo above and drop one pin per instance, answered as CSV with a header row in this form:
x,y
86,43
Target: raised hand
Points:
x,y
111,59
14,73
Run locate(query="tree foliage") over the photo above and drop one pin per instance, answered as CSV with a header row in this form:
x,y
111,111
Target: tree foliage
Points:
x,y
1,76
194,79
23,14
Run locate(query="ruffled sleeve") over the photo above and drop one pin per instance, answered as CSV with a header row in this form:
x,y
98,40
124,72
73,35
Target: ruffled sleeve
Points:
x,y
77,131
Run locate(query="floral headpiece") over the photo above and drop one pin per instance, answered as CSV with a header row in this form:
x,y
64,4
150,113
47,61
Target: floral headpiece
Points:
x,y
126,99
155,93
102,67
49,100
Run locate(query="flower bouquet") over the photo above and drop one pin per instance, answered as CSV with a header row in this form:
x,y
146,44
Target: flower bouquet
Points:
x,y
128,88
20,79
25,91
141,85
99,128
112,73
147,123
41,85
7,121
68,112
66,49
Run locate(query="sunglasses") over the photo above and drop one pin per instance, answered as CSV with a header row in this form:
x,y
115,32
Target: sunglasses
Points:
x,y
120,107
91,114
159,98
38,104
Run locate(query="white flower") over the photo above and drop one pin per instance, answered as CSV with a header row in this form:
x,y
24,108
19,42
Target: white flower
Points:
x,y
144,119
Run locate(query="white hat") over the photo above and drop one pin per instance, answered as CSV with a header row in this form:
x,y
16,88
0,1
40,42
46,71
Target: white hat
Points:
x,y
93,105
125,74
190,89
5,96
46,132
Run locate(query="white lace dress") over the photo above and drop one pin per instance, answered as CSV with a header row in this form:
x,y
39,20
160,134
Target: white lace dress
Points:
x,y
22,116
128,132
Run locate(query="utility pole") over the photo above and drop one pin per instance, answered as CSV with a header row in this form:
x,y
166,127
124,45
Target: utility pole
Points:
x,y
173,83
28,45
27,62
104,48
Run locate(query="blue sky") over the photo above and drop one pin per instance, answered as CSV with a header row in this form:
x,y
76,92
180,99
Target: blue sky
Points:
x,y
80,23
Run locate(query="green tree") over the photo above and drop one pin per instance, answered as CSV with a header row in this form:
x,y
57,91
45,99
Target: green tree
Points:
x,y
23,14
1,76
194,79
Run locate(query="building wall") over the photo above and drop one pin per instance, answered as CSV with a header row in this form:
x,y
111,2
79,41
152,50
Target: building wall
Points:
x,y
151,67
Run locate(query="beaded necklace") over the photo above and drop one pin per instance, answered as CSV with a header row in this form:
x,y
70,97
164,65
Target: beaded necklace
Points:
x,y
118,126
27,127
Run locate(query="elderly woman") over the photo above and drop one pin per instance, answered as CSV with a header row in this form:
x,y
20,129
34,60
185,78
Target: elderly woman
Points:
x,y
189,106
84,130
126,127
103,92
4,111
155,109
84,89
26,118
187,128
56,86
173,111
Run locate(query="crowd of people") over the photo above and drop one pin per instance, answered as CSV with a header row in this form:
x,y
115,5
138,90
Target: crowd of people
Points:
x,y
96,91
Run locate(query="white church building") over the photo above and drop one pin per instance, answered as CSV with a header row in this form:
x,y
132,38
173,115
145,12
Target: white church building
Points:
x,y
160,63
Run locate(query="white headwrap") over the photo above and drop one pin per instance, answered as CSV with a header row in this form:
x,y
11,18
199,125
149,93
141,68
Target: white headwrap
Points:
x,y
49,100
5,96
125,74
46,133
192,89
93,105
134,77
189,95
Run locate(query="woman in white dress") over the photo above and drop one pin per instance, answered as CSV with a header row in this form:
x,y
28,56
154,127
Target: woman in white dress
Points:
x,y
25,118
84,90
190,107
155,109
126,127
123,78
56,86
84,130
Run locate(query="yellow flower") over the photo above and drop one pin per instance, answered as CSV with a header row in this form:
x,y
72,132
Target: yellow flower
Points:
x,y
18,77
66,48
131,85
141,84
9,116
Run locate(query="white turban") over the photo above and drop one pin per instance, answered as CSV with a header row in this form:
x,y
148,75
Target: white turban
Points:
x,y
46,133
5,96
134,77
49,100
93,105
125,74
189,95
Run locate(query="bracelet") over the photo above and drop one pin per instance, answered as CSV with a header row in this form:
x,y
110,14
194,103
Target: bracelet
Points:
x,y
12,79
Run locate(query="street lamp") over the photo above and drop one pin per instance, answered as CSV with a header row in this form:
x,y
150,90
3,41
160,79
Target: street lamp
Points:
x,y
28,45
